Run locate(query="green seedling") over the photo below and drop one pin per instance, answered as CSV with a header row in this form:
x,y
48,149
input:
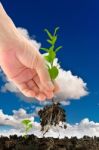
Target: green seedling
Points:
x,y
28,126
51,53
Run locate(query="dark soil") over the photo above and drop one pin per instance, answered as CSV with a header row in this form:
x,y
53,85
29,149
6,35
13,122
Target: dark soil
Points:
x,y
51,115
34,143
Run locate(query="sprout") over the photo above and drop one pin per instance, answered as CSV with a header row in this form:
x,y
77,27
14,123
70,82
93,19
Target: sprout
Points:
x,y
51,53
28,125
52,114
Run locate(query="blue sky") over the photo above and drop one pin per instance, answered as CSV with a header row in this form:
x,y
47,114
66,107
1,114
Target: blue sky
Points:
x,y
79,35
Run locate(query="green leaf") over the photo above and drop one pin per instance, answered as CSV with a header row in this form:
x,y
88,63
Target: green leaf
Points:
x,y
58,48
47,58
54,39
51,48
29,127
26,122
51,56
53,72
48,33
49,41
44,49
56,29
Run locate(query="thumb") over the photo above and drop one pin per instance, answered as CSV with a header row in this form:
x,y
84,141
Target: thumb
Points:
x,y
43,74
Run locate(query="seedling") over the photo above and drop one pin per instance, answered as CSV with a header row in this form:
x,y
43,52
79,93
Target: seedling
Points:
x,y
28,125
53,114
51,53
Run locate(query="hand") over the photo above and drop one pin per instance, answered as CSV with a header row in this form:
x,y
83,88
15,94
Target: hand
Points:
x,y
22,62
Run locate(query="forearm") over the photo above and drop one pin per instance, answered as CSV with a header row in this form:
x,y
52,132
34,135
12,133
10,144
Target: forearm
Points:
x,y
8,31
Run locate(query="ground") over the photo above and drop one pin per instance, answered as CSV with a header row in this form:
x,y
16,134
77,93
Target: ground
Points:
x,y
34,143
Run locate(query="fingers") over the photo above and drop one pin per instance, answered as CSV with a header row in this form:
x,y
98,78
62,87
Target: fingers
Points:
x,y
49,94
44,76
38,94
31,84
40,97
24,75
33,87
30,89
23,87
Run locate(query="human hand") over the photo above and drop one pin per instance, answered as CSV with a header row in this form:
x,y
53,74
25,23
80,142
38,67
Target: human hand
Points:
x,y
22,62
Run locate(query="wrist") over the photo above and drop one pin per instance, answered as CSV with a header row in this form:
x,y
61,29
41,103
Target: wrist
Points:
x,y
3,15
9,35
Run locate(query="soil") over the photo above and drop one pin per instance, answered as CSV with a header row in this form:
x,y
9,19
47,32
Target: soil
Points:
x,y
51,115
34,143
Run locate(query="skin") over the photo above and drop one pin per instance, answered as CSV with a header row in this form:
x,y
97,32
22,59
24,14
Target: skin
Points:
x,y
22,62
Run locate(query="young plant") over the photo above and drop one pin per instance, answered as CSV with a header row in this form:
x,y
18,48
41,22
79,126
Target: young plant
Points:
x,y
54,113
51,53
28,125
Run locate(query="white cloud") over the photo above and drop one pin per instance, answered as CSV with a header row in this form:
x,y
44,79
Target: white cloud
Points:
x,y
15,119
65,103
9,86
71,87
85,127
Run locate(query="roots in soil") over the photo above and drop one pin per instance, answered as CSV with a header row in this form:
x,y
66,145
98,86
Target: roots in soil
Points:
x,y
51,115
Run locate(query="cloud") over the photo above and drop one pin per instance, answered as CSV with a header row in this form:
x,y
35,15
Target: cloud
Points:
x,y
15,119
84,127
65,103
9,86
71,86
